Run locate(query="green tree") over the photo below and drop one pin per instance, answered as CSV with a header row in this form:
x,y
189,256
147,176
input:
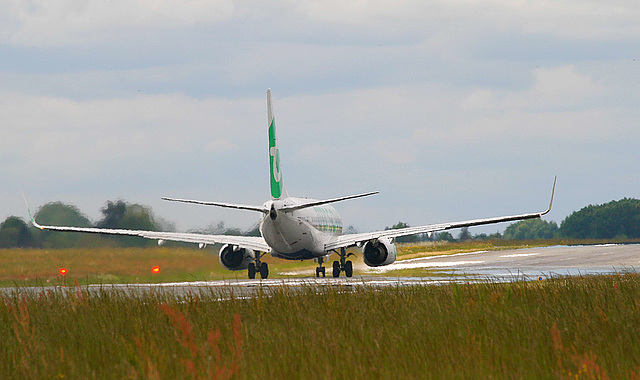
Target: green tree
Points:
x,y
403,239
253,231
219,228
445,236
113,214
616,219
485,237
531,229
14,232
61,214
465,235
128,216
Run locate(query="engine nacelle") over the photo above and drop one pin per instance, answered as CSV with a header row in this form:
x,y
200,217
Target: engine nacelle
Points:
x,y
235,258
379,252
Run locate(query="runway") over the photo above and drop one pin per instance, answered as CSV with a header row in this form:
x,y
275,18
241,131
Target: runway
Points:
x,y
509,265
530,262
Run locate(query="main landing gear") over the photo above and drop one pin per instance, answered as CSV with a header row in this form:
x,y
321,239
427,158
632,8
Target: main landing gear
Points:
x,y
257,266
343,265
338,266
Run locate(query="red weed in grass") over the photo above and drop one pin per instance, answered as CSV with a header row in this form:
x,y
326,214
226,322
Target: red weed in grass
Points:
x,y
81,297
587,367
584,365
556,336
22,322
25,335
151,370
198,364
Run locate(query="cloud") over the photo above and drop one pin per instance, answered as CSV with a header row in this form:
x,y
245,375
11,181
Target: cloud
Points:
x,y
575,20
221,146
84,22
62,22
51,132
562,87
561,103
436,104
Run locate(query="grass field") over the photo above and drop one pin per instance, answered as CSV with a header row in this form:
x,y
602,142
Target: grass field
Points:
x,y
580,327
28,267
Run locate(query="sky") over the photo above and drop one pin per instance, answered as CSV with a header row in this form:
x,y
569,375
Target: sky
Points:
x,y
452,109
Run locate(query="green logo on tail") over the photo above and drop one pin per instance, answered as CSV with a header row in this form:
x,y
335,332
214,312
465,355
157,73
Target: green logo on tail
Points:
x,y
274,159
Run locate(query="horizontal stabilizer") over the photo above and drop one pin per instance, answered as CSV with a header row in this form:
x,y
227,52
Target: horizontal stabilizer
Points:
x,y
318,203
219,204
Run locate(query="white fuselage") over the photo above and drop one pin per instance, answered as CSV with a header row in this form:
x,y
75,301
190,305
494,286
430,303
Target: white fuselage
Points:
x,y
300,234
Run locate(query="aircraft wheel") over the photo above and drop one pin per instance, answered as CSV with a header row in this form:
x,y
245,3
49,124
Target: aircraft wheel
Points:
x,y
264,270
252,271
348,269
336,269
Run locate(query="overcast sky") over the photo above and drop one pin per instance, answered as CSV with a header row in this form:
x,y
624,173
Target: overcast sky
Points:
x,y
452,109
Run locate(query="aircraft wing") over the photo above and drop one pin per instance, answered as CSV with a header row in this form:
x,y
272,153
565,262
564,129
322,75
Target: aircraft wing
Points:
x,y
357,239
251,242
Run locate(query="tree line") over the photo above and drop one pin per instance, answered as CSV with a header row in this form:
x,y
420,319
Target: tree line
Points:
x,y
613,220
618,220
118,214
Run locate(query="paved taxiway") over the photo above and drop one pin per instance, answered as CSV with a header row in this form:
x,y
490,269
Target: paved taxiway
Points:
x,y
509,265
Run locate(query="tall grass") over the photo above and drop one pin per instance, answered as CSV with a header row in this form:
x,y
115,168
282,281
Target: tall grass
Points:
x,y
584,327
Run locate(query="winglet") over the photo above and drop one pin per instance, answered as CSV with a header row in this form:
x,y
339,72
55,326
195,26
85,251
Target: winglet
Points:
x,y
553,190
33,220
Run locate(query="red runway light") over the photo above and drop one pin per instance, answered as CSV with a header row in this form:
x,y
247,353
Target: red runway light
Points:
x,y
63,271
155,270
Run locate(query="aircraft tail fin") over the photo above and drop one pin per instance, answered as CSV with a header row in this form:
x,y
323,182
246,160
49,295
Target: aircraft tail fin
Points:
x,y
277,188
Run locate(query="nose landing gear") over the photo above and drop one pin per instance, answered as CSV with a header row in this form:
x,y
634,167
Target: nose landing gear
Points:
x,y
320,268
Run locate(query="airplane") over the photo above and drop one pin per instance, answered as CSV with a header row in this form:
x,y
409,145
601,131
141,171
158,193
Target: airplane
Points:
x,y
294,228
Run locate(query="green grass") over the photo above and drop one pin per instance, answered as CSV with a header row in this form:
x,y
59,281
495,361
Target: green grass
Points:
x,y
29,267
107,265
34,267
580,327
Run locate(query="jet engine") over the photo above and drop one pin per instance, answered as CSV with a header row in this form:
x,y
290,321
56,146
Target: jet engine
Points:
x,y
235,258
379,252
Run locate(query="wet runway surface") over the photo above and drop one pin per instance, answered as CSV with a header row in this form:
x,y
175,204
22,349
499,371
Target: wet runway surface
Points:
x,y
531,262
509,265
